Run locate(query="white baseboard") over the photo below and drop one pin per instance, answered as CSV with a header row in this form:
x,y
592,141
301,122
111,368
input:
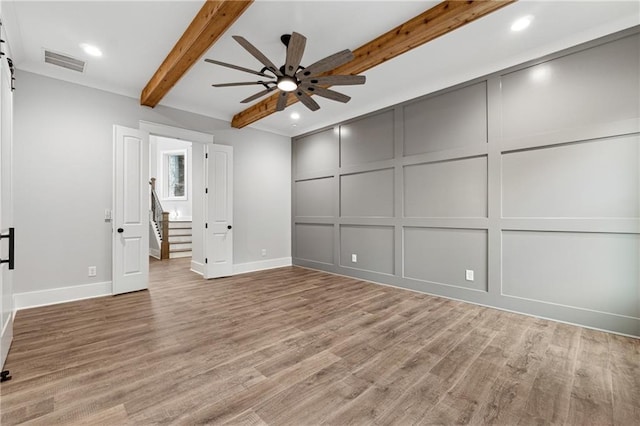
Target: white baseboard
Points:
x,y
243,268
53,296
154,253
197,267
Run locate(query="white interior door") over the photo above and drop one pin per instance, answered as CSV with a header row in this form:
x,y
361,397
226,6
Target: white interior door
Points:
x,y
6,209
130,210
218,230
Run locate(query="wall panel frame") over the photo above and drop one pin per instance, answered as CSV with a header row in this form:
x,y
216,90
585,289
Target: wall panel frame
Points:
x,y
558,187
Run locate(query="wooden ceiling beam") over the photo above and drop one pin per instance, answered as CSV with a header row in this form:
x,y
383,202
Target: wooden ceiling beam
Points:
x,y
429,25
213,19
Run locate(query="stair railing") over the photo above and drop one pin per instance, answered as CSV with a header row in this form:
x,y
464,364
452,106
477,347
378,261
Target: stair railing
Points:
x,y
162,220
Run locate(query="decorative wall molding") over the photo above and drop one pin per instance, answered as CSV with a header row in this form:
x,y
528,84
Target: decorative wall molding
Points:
x,y
513,192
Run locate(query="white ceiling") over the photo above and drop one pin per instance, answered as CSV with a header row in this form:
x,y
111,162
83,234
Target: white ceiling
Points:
x,y
136,36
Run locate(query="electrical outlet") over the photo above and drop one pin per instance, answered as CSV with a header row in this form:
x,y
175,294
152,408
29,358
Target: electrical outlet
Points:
x,y
107,214
264,252
469,274
92,271
354,258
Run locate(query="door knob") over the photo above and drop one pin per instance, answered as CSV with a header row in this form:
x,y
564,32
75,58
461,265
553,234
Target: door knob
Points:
x,y
120,230
229,226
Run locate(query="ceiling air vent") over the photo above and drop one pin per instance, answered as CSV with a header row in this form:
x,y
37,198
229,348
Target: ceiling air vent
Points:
x,y
63,61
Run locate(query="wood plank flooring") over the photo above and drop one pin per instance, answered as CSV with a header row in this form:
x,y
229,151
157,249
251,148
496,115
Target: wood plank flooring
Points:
x,y
292,346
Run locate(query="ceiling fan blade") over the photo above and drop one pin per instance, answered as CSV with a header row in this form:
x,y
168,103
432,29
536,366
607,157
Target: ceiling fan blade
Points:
x,y
244,83
306,100
257,54
282,101
258,95
236,67
326,93
295,49
326,64
337,80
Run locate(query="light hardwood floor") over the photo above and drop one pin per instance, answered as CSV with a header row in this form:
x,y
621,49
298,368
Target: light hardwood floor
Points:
x,y
292,346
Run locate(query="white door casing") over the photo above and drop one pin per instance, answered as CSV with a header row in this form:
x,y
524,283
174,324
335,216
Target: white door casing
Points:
x,y
6,203
218,239
130,210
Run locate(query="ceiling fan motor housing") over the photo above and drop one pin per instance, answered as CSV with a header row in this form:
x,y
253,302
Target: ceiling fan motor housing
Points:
x,y
284,38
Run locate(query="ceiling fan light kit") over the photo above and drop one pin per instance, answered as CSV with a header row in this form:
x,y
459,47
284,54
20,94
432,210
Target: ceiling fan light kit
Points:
x,y
287,84
294,78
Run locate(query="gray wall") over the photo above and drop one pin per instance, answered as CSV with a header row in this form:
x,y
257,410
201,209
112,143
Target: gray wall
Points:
x,y
529,178
63,171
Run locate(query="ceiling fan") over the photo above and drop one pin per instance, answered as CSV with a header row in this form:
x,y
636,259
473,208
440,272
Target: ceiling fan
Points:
x,y
294,78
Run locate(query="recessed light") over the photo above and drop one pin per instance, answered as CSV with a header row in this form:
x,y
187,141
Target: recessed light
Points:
x,y
90,49
295,115
521,23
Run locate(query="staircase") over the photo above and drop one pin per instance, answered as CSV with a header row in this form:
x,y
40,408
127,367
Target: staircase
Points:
x,y
173,238
180,238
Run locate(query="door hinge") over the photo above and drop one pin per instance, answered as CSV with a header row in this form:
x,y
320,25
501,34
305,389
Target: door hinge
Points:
x,y
206,155
206,260
206,225
206,190
13,72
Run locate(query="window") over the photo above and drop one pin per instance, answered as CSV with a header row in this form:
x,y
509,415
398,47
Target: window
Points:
x,y
174,164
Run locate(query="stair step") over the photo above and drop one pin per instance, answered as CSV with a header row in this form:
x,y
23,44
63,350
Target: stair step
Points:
x,y
179,255
180,250
180,225
180,246
173,231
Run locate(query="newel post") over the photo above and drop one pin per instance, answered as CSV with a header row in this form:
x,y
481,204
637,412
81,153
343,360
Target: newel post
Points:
x,y
164,248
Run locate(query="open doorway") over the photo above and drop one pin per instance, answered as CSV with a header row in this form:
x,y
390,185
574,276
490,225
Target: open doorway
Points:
x,y
171,179
208,172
